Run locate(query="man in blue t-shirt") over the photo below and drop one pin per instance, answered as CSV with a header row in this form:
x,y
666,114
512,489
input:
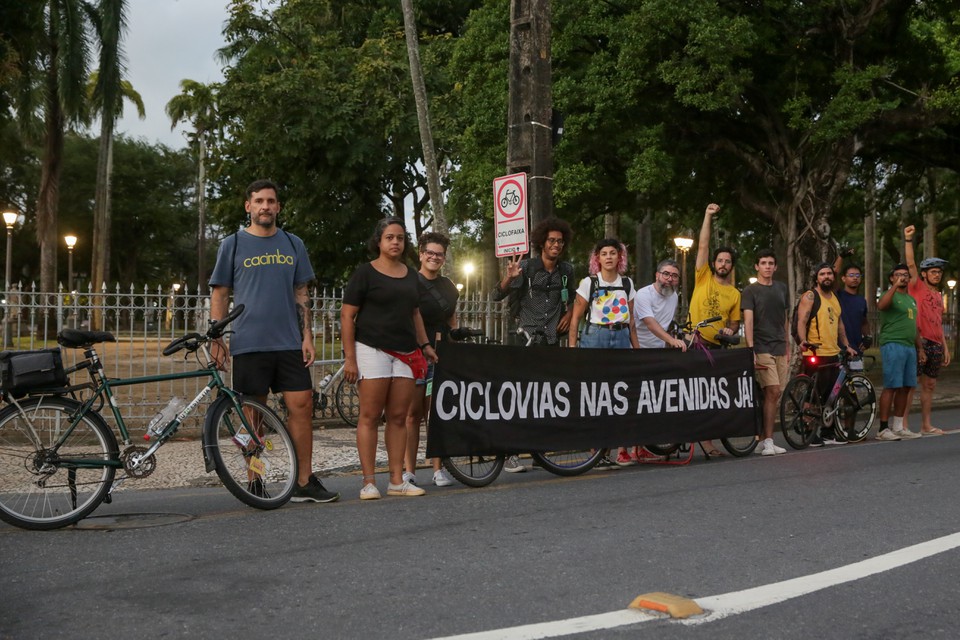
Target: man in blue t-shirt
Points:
x,y
853,306
268,271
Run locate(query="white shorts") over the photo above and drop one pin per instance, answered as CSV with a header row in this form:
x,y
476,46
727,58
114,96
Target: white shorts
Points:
x,y
374,363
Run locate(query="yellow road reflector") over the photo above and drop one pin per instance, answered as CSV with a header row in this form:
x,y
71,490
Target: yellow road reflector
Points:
x,y
674,606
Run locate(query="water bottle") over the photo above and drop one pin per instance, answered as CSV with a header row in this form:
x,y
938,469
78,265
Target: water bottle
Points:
x,y
166,414
326,380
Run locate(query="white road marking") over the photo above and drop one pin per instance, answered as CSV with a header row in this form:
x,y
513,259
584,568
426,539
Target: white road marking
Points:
x,y
727,604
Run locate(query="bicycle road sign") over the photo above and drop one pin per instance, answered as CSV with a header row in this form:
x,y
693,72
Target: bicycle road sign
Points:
x,y
510,219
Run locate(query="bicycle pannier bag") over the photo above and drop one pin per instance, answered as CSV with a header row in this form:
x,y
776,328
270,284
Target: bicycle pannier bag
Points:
x,y
23,371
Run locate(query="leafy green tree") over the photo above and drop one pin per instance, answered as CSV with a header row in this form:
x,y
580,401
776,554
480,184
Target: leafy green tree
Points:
x,y
197,104
109,90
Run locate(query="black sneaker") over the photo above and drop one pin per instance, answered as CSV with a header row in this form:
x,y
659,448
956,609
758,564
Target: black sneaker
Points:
x,y
606,464
314,491
817,441
258,489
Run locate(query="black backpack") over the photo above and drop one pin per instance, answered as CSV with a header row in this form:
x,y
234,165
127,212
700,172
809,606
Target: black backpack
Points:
x,y
797,338
528,268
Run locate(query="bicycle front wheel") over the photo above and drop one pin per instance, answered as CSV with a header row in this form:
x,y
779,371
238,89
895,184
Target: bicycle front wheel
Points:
x,y
664,449
856,409
569,462
52,475
262,476
348,402
474,471
800,412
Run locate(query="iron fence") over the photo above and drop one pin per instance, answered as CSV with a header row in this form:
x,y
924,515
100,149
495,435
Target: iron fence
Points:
x,y
144,320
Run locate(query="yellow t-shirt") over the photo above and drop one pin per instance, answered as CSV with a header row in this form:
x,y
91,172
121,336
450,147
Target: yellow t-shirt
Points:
x,y
825,329
711,298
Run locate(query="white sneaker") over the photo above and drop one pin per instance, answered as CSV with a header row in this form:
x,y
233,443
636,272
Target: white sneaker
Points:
x,y
441,478
410,477
404,489
767,448
888,435
906,434
369,492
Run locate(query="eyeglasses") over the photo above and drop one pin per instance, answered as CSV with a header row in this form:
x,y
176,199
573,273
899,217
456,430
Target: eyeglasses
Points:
x,y
668,274
434,254
901,275
559,241
853,275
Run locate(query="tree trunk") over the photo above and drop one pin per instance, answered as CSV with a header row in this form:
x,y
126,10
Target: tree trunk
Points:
x,y
201,215
423,118
49,195
870,269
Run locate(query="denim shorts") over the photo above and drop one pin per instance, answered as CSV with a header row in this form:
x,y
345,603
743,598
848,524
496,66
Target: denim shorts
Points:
x,y
600,337
899,365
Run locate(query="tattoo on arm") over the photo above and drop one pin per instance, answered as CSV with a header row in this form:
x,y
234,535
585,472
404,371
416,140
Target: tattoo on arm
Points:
x,y
303,308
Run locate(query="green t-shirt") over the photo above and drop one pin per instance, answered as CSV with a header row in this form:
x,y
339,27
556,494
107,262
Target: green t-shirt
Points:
x,y
898,322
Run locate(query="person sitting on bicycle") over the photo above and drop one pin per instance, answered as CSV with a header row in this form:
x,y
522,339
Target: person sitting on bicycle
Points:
x,y
825,330
605,301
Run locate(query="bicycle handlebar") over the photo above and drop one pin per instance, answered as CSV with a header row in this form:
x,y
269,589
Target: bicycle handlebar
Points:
x,y
462,333
192,341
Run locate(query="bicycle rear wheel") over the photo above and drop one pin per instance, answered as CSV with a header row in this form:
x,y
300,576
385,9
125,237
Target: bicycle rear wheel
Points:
x,y
474,471
262,476
857,408
568,462
61,477
742,446
348,402
800,412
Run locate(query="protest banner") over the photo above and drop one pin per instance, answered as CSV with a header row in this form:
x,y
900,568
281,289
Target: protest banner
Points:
x,y
490,399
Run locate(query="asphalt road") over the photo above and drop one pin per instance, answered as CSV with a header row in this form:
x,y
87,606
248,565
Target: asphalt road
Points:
x,y
529,549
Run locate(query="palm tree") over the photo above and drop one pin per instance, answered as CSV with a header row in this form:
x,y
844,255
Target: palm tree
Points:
x,y
196,104
108,91
57,65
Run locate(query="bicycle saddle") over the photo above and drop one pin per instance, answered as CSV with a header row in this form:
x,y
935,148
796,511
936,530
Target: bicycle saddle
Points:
x,y
76,339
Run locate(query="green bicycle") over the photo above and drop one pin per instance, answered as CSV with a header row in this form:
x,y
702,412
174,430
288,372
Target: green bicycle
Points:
x,y
59,459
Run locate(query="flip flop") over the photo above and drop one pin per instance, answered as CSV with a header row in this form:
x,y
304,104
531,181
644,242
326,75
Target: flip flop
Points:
x,y
933,432
715,453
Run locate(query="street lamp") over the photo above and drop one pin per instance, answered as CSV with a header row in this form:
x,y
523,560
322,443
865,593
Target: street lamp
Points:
x,y
9,219
683,243
71,241
468,271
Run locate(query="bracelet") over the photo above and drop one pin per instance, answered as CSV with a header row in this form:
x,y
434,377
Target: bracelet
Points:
x,y
424,345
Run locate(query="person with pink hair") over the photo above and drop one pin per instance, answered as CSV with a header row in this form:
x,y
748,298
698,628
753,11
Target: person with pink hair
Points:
x,y
605,302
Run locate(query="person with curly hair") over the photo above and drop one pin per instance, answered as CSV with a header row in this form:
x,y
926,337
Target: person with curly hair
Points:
x,y
541,291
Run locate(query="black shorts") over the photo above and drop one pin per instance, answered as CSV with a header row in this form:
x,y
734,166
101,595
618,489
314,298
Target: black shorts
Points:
x,y
256,374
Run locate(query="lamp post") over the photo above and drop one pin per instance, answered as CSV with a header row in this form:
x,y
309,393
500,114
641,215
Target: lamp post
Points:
x,y
952,310
468,269
10,220
683,243
71,241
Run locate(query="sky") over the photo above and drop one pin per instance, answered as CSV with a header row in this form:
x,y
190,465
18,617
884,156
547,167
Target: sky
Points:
x,y
166,42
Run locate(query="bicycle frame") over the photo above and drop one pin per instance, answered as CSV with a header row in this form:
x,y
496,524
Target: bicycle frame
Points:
x,y
103,387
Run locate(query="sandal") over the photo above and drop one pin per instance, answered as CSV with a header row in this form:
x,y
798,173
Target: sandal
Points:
x,y
933,432
714,453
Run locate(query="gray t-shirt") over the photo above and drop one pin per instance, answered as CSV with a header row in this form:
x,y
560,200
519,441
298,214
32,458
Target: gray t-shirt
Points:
x,y
770,305
263,273
648,303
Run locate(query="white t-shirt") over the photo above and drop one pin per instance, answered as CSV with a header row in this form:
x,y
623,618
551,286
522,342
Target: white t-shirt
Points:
x,y
612,304
650,304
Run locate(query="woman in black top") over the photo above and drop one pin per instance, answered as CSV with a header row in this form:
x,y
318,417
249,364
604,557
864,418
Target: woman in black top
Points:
x,y
438,307
383,334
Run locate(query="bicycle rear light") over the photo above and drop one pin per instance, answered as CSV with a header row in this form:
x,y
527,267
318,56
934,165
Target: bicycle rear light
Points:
x,y
811,359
